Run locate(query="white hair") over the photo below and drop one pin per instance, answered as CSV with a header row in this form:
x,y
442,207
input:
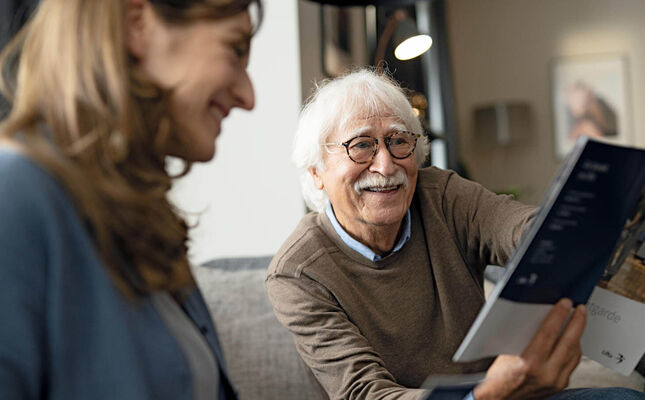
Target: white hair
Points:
x,y
337,103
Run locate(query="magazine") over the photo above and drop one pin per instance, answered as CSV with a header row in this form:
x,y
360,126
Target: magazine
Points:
x,y
451,387
585,243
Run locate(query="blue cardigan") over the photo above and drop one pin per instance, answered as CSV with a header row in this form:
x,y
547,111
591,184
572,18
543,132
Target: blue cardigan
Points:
x,y
66,332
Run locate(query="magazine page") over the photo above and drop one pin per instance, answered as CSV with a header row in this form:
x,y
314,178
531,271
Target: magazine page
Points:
x,y
616,308
574,241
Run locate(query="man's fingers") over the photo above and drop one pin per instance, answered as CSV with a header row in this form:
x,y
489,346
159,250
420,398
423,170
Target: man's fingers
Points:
x,y
547,362
568,369
568,350
562,380
546,337
504,377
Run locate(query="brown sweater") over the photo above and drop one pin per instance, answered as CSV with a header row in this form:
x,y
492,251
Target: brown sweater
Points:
x,y
373,330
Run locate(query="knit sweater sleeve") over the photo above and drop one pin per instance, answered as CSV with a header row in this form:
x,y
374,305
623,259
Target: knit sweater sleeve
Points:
x,y
330,344
487,226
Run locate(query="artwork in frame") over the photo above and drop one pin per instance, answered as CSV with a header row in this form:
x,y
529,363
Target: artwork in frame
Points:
x,y
344,44
590,97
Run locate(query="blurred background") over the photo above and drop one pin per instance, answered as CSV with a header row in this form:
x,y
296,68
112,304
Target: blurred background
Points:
x,y
488,91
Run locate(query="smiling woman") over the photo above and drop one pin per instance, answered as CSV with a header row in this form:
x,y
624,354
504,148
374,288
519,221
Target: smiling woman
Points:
x,y
99,301
202,64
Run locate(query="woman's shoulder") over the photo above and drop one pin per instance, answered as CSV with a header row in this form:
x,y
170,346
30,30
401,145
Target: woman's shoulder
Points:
x,y
38,220
13,160
24,180
30,196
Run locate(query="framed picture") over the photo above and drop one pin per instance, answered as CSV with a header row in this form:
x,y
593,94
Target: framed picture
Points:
x,y
344,44
590,97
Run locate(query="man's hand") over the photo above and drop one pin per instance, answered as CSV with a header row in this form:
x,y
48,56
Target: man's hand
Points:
x,y
545,365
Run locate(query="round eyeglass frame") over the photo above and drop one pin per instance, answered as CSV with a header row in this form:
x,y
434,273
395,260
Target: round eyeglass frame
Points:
x,y
386,139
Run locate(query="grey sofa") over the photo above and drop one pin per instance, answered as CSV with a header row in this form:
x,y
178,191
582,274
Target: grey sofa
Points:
x,y
261,358
260,354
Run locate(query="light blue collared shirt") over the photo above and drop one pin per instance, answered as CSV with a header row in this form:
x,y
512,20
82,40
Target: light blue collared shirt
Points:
x,y
360,247
366,251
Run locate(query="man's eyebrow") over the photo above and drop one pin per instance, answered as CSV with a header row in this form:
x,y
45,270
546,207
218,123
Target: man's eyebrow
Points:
x,y
361,131
397,126
366,129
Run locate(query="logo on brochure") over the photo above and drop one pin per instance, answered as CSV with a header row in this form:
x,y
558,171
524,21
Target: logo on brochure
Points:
x,y
618,357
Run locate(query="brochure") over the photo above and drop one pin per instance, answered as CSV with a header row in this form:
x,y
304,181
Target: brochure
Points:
x,y
585,243
451,387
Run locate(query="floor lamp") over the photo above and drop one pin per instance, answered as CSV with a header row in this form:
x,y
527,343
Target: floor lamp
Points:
x,y
430,19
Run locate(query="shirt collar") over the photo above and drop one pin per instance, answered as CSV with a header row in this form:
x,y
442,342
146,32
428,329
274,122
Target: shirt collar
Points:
x,y
360,247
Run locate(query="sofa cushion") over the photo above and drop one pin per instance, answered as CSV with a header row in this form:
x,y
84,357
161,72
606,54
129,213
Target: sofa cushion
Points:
x,y
261,357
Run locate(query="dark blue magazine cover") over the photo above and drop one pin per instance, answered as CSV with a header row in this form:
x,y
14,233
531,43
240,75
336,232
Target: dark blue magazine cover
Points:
x,y
578,229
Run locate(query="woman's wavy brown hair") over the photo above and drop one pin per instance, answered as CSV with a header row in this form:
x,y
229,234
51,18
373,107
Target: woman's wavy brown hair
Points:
x,y
79,109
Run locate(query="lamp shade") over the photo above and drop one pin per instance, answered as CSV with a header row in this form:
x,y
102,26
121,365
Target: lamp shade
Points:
x,y
401,32
413,47
407,41
349,3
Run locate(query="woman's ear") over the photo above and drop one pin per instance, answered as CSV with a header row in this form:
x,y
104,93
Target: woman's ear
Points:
x,y
137,27
313,171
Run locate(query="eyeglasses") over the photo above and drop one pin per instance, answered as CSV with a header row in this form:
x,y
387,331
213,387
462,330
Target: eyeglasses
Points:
x,y
362,149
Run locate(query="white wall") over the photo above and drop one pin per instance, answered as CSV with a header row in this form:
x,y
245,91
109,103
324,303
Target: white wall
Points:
x,y
502,50
248,198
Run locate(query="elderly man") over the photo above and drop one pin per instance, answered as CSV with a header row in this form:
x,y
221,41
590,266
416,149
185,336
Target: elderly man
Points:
x,y
381,282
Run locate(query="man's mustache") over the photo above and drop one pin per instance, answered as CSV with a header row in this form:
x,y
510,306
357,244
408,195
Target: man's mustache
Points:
x,y
372,180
